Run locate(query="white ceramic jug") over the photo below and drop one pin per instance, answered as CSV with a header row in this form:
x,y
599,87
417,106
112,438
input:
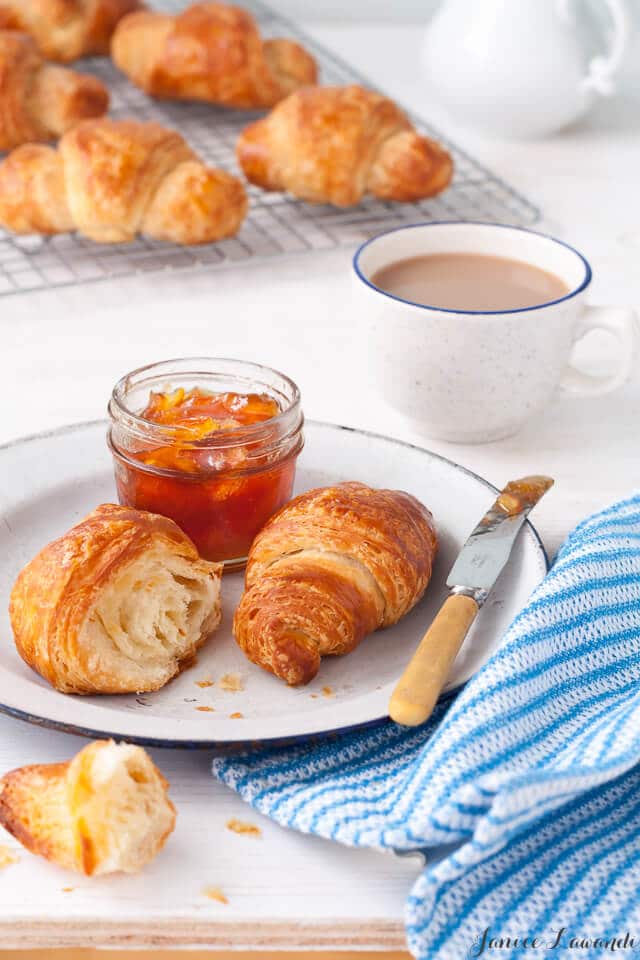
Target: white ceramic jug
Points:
x,y
518,68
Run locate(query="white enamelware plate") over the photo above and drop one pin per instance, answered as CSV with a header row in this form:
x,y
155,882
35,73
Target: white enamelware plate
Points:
x,y
49,482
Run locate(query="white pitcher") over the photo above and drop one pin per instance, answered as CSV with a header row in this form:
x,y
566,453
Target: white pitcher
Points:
x,y
519,68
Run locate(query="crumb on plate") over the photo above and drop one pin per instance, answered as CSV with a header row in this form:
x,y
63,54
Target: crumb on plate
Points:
x,y
231,682
204,683
215,893
68,889
327,692
206,709
241,826
236,716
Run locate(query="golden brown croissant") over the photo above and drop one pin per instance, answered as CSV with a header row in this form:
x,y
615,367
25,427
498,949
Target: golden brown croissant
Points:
x,y
210,52
67,29
105,811
39,100
119,604
113,179
333,565
335,144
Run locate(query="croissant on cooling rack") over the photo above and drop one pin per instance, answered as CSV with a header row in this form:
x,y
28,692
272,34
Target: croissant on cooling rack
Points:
x,y
119,604
333,565
67,29
111,180
40,100
210,52
336,144
105,811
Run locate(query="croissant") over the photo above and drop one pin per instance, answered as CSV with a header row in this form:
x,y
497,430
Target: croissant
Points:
x,y
210,52
111,180
335,144
66,29
39,100
119,604
330,567
105,811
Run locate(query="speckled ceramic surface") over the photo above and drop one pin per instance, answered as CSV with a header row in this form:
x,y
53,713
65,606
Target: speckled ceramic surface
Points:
x,y
469,376
51,481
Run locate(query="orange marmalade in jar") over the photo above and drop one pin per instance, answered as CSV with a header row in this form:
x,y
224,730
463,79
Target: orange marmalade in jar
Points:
x,y
210,443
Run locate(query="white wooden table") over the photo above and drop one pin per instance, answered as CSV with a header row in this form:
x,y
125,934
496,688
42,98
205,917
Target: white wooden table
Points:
x,y
62,352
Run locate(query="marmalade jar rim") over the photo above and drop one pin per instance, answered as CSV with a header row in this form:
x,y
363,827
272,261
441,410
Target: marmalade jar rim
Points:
x,y
269,435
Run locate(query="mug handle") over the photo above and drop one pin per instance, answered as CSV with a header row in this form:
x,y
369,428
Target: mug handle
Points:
x,y
620,322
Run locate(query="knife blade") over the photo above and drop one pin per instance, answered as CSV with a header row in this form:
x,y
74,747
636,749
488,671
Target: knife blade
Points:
x,y
476,569
488,547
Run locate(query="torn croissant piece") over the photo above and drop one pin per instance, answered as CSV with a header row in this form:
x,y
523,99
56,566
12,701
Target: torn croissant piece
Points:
x,y
65,30
332,566
119,604
336,144
210,52
111,180
39,100
105,811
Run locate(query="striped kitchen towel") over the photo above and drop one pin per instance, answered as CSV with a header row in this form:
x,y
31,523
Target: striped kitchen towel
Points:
x,y
531,772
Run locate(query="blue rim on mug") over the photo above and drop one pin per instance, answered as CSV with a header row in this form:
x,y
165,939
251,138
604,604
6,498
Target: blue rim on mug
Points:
x,y
471,223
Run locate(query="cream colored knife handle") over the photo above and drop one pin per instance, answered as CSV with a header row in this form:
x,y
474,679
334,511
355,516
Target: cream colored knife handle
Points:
x,y
420,685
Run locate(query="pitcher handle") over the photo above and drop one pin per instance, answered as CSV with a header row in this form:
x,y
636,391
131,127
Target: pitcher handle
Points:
x,y
602,69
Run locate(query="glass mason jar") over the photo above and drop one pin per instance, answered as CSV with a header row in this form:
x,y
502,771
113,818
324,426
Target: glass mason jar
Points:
x,y
222,487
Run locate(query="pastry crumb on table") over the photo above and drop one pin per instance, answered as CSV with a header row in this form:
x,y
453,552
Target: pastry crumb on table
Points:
x,y
215,893
236,716
204,683
8,857
206,709
328,692
231,682
243,828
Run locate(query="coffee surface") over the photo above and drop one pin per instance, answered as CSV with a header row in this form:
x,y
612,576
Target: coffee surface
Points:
x,y
469,281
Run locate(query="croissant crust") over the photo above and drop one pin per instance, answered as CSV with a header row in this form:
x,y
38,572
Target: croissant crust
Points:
x,y
333,565
111,180
119,604
39,100
65,30
210,52
336,144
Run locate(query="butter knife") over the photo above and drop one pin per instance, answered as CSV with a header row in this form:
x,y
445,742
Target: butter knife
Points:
x,y
470,582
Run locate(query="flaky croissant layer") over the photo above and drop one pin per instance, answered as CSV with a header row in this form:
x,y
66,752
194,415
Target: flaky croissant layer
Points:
x,y
332,566
211,52
336,144
39,100
111,180
105,811
119,604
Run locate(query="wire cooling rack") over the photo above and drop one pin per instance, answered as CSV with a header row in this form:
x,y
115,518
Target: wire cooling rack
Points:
x,y
276,224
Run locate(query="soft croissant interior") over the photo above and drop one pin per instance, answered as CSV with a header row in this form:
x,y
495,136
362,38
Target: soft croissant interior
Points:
x,y
149,619
119,808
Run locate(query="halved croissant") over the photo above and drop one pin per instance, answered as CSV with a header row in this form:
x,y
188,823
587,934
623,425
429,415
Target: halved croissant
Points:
x,y
210,52
330,567
105,811
335,144
67,29
38,100
119,604
111,180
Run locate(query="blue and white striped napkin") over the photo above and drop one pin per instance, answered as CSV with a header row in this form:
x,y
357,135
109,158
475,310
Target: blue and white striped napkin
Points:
x,y
531,770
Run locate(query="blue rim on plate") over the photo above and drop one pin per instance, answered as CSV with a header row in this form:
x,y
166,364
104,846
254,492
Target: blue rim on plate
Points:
x,y
226,747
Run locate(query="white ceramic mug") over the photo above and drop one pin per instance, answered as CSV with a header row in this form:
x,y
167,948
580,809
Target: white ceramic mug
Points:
x,y
471,377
